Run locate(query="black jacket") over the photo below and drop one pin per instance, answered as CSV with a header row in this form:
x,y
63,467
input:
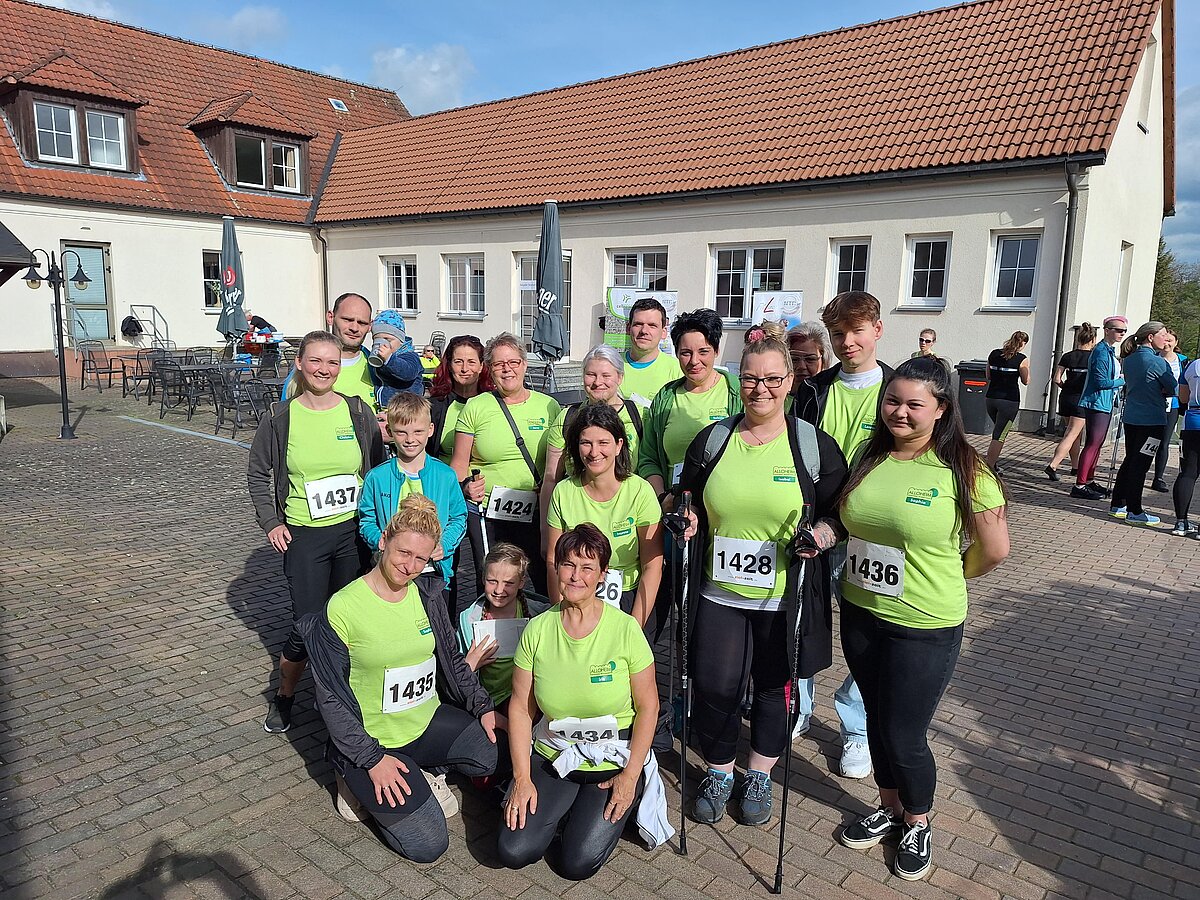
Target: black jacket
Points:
x,y
810,621
438,406
811,394
329,662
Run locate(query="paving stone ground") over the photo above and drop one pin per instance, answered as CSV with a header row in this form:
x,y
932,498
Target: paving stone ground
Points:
x,y
141,607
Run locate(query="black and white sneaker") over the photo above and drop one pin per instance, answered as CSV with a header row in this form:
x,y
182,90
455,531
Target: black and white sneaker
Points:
x,y
279,715
1184,528
914,856
868,832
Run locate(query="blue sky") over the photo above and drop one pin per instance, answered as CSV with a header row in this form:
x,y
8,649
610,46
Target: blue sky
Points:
x,y
453,52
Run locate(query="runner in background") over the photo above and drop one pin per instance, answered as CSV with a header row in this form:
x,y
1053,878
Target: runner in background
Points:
x,y
1007,370
917,487
1178,362
1099,395
1070,375
844,403
647,368
305,473
396,695
1189,452
503,435
926,341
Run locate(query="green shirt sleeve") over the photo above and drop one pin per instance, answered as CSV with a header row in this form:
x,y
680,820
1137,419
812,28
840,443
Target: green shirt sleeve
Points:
x,y
554,436
554,515
637,649
527,647
646,510
988,494
468,419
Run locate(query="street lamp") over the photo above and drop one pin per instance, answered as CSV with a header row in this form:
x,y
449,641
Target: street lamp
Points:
x,y
33,278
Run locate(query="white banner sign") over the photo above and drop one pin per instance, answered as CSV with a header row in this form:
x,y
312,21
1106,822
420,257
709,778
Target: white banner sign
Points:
x,y
784,307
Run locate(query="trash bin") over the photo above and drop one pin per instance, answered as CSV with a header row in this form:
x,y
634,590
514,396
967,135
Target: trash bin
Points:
x,y
972,386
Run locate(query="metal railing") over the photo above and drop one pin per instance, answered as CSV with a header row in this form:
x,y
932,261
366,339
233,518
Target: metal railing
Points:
x,y
154,324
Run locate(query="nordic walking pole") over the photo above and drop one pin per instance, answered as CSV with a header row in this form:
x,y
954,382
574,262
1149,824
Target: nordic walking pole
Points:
x,y
794,686
1112,465
677,523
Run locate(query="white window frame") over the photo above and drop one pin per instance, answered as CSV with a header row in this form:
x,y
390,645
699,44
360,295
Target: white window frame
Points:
x,y
640,253
212,286
275,185
527,306
993,300
262,155
74,158
449,261
124,163
835,263
748,272
408,287
907,300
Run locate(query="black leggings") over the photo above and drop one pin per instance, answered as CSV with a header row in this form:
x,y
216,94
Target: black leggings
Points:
x,y
318,563
727,646
1189,469
1164,449
902,673
486,533
417,830
1095,430
1003,413
577,804
1131,477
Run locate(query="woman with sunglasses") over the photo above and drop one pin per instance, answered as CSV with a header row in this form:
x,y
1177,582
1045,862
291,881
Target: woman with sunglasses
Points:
x,y
503,435
1096,404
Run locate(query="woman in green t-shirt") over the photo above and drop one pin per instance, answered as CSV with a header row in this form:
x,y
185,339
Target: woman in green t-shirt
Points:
x,y
606,493
917,487
584,674
502,435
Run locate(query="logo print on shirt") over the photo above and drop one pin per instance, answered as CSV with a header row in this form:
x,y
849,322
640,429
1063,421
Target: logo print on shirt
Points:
x,y
537,424
621,529
920,497
345,434
603,673
784,474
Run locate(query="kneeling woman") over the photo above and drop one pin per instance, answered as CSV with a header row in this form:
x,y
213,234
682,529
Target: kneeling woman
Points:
x,y
587,670
396,694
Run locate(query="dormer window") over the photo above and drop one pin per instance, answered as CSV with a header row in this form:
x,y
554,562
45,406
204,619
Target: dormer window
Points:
x,y
102,143
255,146
249,162
106,139
57,138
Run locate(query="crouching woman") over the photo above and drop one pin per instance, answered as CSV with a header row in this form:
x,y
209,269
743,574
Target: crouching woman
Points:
x,y
397,697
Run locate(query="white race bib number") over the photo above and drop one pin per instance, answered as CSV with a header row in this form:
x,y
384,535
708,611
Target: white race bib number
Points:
x,y
331,496
599,728
611,588
409,686
1150,448
736,561
877,568
508,505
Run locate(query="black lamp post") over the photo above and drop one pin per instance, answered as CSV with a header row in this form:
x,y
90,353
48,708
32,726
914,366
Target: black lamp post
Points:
x,y
33,278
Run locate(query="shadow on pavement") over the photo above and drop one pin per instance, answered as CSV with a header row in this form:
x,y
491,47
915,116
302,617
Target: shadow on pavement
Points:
x,y
165,870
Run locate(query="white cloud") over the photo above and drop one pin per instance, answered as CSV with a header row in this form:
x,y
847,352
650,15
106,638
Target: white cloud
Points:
x,y
1183,230
251,26
101,8
426,80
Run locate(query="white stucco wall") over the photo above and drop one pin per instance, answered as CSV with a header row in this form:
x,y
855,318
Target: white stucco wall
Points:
x,y
157,259
972,210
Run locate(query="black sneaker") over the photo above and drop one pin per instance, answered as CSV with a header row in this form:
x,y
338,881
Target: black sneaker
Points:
x,y
1159,485
914,856
868,832
754,804
279,715
1050,473
715,791
1099,488
1086,492
1184,528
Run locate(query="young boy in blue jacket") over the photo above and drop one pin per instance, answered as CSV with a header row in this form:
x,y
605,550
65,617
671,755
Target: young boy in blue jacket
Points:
x,y
412,470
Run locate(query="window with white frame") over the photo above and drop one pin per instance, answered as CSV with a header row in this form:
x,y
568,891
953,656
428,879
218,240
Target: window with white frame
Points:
x,y
402,284
211,261
644,270
57,132
248,161
740,272
929,268
1016,268
850,265
527,274
106,139
285,167
464,285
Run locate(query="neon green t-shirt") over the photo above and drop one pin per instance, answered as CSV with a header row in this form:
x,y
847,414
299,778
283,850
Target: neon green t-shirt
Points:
x,y
643,381
320,443
752,495
453,411
586,677
849,415
911,505
495,452
633,507
557,437
690,415
410,485
354,380
392,663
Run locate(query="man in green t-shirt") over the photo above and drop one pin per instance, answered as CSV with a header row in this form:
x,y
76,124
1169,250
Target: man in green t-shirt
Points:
x,y
647,368
844,402
350,322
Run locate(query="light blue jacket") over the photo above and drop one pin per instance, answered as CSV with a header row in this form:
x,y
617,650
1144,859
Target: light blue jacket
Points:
x,y
380,498
1149,381
1103,379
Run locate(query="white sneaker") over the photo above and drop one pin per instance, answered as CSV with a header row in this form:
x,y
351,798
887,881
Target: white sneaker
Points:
x,y
347,804
801,727
442,794
856,759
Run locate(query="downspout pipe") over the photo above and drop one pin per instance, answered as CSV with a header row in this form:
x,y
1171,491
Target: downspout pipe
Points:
x,y
310,220
1064,288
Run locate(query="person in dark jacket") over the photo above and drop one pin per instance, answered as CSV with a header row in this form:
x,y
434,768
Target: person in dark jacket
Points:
x,y
397,696
304,474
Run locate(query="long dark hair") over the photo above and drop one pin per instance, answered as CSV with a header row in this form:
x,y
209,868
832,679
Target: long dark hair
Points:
x,y
443,384
949,438
598,415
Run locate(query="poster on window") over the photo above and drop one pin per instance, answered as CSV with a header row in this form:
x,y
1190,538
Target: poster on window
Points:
x,y
616,314
784,307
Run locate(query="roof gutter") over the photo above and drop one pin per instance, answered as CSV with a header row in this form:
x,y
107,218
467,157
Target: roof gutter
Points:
x,y
312,215
1072,172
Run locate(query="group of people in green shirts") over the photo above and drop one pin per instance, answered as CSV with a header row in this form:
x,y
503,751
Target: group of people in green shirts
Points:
x,y
485,601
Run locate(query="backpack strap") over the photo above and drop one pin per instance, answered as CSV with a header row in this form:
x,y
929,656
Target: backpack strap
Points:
x,y
718,438
810,450
537,479
635,417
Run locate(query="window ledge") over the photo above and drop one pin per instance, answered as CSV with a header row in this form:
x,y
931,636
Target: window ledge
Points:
x,y
212,312
911,304
744,324
406,313
470,316
1018,306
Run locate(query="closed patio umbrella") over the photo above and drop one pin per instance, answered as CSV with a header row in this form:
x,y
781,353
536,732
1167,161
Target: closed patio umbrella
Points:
x,y
549,330
232,321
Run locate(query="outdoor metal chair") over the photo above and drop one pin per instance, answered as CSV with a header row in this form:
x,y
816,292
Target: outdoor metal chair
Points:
x,y
96,362
177,388
438,340
201,356
232,401
140,372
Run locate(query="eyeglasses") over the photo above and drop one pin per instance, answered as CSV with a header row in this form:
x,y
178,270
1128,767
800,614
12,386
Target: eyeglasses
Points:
x,y
508,365
809,358
773,382
924,340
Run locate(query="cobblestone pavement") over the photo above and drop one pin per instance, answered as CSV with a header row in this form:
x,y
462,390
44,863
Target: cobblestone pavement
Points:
x,y
141,606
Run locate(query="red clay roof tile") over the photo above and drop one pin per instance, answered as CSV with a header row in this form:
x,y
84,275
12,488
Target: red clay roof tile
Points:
x,y
61,71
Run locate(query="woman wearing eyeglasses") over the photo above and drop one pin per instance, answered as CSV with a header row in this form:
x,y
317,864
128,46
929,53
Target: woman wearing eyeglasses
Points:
x,y
808,343
503,435
1099,393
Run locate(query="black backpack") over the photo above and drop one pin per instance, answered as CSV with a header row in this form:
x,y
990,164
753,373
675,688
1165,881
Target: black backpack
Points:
x,y
131,327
